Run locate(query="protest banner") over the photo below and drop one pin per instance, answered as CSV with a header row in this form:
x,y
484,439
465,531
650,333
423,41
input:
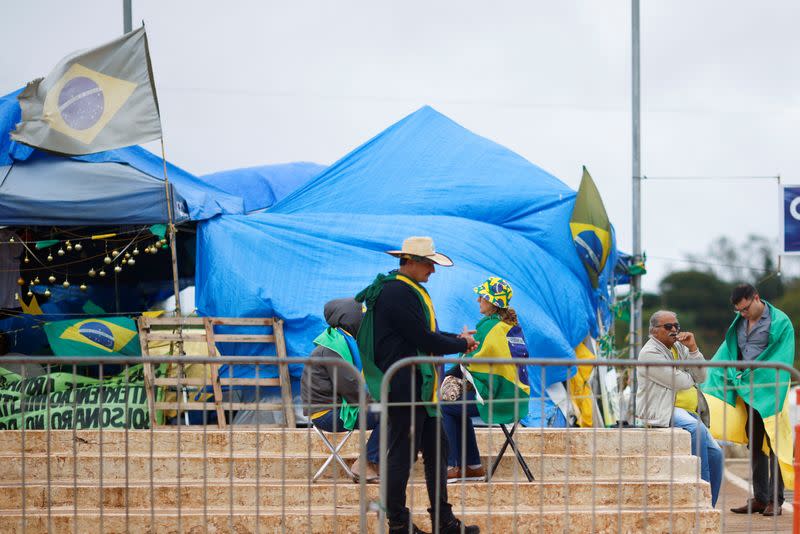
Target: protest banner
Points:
x,y
65,401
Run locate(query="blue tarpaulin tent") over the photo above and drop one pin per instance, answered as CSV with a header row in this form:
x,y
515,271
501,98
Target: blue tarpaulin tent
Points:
x,y
489,209
117,187
263,186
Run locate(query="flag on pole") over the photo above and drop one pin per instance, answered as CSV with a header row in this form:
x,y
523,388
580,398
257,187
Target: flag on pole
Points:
x,y
591,231
93,100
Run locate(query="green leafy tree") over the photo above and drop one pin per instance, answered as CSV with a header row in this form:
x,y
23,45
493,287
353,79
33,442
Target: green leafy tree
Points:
x,y
701,301
789,303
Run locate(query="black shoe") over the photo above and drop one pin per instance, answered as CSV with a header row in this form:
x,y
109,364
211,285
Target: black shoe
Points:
x,y
456,526
402,528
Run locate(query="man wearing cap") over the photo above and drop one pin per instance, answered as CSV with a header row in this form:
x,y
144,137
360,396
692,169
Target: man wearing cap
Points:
x,y
400,322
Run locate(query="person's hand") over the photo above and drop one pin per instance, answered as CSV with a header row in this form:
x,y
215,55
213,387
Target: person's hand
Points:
x,y
467,335
687,339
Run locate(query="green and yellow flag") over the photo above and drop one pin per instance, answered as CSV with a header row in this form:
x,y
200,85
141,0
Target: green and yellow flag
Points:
x,y
93,100
94,337
502,391
591,231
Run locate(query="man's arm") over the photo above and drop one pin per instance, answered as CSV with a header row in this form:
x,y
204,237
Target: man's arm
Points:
x,y
667,376
405,311
690,351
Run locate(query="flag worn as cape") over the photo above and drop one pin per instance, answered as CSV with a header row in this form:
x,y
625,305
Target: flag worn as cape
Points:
x,y
336,340
366,343
94,337
502,391
591,231
728,389
93,100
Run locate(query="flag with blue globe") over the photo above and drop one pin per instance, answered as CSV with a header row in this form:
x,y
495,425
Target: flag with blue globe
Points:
x,y
93,100
591,230
94,337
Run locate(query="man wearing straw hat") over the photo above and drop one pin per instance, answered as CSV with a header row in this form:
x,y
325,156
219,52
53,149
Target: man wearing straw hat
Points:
x,y
400,322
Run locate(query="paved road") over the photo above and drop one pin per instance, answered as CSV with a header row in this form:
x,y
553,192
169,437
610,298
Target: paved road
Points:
x,y
732,495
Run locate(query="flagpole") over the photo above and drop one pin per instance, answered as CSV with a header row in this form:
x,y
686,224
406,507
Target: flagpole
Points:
x,y
171,230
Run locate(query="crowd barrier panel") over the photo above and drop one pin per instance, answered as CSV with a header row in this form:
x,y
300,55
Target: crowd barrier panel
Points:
x,y
625,478
110,472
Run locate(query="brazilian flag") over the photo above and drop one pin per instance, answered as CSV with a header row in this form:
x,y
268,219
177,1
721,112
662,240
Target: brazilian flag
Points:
x,y
94,337
591,231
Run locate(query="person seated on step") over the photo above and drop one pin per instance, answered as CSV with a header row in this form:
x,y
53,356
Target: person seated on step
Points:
x,y
497,393
668,395
322,386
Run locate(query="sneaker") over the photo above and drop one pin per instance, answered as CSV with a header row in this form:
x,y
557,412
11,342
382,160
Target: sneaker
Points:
x,y
469,473
457,527
372,472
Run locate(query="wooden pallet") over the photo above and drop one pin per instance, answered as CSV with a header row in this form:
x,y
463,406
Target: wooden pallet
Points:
x,y
184,329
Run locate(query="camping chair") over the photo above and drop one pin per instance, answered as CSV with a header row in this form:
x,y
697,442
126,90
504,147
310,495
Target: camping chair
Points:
x,y
520,458
334,455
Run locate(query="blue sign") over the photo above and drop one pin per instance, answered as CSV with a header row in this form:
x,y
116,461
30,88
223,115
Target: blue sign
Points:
x,y
791,220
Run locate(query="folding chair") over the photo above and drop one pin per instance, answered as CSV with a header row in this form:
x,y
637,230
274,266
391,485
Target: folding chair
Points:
x,y
334,453
520,458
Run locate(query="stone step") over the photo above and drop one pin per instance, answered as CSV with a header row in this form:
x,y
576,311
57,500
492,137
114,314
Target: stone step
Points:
x,y
525,520
116,466
653,442
218,494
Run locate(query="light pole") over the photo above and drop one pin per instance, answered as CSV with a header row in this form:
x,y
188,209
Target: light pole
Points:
x,y
127,19
636,279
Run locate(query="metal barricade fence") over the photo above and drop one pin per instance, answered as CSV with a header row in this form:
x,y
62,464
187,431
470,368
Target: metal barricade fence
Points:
x,y
78,454
625,478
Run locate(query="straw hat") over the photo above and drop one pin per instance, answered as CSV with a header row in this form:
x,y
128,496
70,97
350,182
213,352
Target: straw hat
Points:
x,y
421,247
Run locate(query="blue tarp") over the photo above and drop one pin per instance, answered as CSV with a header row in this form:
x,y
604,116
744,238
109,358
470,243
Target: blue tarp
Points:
x,y
492,211
124,189
263,186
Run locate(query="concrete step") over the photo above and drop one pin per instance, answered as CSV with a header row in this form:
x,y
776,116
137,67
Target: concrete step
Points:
x,y
138,496
525,520
653,442
164,466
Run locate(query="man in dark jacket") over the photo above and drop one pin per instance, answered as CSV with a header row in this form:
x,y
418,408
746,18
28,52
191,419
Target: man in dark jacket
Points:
x,y
322,386
400,323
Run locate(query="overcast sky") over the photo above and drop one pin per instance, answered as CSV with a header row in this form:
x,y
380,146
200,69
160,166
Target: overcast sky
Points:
x,y
255,82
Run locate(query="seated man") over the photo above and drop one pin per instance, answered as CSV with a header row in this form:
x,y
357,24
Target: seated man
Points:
x,y
319,381
668,396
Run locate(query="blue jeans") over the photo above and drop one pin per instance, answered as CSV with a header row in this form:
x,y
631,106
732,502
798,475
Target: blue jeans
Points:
x,y
452,417
330,422
705,446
